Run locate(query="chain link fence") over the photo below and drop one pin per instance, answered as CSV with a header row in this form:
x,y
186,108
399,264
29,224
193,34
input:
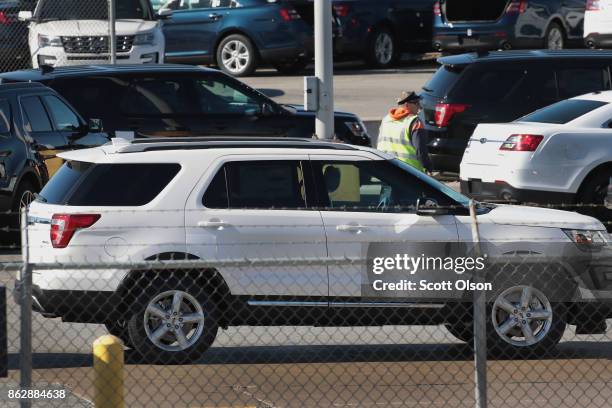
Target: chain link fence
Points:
x,y
278,326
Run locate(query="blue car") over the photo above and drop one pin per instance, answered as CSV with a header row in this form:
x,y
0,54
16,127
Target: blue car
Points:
x,y
461,25
240,35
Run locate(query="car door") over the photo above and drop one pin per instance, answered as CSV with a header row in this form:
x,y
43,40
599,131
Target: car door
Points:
x,y
45,140
368,206
258,211
192,31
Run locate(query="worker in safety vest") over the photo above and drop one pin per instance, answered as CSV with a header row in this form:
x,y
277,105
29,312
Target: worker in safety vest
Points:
x,y
402,133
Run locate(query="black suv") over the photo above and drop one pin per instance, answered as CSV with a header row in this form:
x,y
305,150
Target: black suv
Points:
x,y
35,124
179,100
500,87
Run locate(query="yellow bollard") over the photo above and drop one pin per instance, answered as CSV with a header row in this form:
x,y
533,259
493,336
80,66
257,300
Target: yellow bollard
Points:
x,y
108,372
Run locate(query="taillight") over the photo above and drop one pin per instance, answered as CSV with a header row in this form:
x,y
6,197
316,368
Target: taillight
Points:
x,y
289,14
522,143
446,111
342,10
517,7
63,227
593,5
436,9
4,19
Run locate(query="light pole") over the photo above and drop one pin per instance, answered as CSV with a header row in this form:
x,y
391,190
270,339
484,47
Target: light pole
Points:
x,y
324,69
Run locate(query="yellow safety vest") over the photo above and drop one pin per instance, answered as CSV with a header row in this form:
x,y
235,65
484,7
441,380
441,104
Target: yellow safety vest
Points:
x,y
394,138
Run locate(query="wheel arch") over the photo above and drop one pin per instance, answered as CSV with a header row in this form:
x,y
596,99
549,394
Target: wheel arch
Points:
x,y
556,19
591,173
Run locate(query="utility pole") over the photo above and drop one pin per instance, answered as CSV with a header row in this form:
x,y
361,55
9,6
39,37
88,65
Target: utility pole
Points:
x,y
112,38
324,69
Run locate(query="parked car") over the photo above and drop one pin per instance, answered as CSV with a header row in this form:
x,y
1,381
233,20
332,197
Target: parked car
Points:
x,y
14,51
35,124
560,154
71,32
289,201
500,87
379,31
181,100
598,24
506,24
239,36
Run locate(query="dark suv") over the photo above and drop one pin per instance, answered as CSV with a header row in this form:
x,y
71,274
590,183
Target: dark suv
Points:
x,y
506,24
378,31
499,87
35,124
180,100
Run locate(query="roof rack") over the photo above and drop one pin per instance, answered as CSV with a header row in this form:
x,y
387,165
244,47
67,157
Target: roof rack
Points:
x,y
201,143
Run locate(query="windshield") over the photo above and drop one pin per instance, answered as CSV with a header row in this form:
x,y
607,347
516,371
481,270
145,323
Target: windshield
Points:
x,y
443,188
92,10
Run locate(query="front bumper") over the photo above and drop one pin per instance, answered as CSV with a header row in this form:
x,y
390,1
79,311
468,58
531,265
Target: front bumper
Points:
x,y
56,56
504,192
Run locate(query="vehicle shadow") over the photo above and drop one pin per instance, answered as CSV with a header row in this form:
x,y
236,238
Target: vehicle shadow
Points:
x,y
328,354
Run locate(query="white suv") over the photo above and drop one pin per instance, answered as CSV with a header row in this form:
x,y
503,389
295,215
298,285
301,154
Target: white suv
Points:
x,y
279,232
73,32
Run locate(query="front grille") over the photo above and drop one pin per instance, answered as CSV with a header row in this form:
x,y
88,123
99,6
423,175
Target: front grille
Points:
x,y
96,44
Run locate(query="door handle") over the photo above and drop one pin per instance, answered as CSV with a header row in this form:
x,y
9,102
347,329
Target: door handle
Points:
x,y
351,228
217,224
215,16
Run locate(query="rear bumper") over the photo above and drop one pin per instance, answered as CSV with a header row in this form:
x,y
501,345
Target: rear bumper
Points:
x,y
493,38
504,192
595,40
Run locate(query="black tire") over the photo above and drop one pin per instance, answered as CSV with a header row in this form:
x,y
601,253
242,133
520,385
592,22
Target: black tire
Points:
x,y
25,191
555,37
290,68
461,330
240,45
382,49
593,191
202,335
119,328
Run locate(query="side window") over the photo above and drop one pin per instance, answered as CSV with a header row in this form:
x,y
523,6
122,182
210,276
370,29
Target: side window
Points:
x,y
63,117
35,115
217,97
258,185
577,81
216,193
489,85
5,117
371,186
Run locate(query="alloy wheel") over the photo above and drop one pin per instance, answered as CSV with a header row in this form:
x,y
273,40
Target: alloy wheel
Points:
x,y
26,199
522,316
174,320
235,56
383,48
555,39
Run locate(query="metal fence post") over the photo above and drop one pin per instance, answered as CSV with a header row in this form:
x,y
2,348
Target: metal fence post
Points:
x,y
480,316
25,354
324,69
112,38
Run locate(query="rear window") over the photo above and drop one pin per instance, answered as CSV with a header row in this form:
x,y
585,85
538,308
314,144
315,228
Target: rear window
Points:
x,y
562,112
443,80
88,184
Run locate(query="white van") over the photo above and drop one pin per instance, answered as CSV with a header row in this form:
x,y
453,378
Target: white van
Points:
x,y
598,24
73,32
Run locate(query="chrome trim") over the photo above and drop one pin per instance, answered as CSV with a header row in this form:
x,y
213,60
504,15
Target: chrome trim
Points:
x,y
38,220
280,303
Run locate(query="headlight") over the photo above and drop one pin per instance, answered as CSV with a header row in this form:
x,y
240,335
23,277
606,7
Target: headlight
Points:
x,y
49,41
586,237
144,39
357,128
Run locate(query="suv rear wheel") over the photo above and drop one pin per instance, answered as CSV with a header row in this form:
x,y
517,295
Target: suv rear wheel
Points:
x,y
382,50
174,324
236,55
594,191
555,38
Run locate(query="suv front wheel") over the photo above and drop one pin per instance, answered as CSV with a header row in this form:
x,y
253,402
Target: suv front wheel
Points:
x,y
174,324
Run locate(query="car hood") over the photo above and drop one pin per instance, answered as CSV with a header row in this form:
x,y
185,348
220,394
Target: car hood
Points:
x,y
541,217
93,27
299,110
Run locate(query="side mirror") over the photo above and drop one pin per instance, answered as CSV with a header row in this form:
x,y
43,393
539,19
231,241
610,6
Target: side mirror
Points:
x,y
24,15
164,14
429,207
267,110
95,125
